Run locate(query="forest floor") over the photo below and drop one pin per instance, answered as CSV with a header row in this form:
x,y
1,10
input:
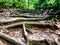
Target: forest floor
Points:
x,y
19,29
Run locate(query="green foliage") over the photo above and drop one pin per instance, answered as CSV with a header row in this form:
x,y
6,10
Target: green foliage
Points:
x,y
20,3
1,1
46,4
32,4
1,9
29,43
52,3
27,25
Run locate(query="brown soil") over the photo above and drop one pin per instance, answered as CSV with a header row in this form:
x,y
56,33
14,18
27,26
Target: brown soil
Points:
x,y
17,33
4,42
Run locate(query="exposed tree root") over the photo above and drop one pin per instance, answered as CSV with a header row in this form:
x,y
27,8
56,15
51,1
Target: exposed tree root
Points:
x,y
17,14
4,30
13,25
19,19
10,39
29,16
23,23
24,28
34,23
50,40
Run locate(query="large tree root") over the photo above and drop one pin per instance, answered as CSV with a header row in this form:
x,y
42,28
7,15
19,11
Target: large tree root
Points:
x,y
13,25
17,14
4,28
10,39
22,23
51,42
28,40
29,16
19,19
34,23
40,24
24,28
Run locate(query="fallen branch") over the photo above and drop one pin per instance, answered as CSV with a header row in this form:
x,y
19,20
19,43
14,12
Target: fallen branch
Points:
x,y
10,39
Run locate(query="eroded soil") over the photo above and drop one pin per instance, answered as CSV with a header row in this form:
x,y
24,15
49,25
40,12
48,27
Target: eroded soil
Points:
x,y
35,33
17,33
4,42
39,33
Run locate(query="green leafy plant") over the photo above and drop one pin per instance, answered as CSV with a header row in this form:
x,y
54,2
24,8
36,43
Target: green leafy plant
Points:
x,y
32,4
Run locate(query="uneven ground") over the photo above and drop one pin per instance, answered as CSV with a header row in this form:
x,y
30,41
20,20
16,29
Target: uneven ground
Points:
x,y
13,31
